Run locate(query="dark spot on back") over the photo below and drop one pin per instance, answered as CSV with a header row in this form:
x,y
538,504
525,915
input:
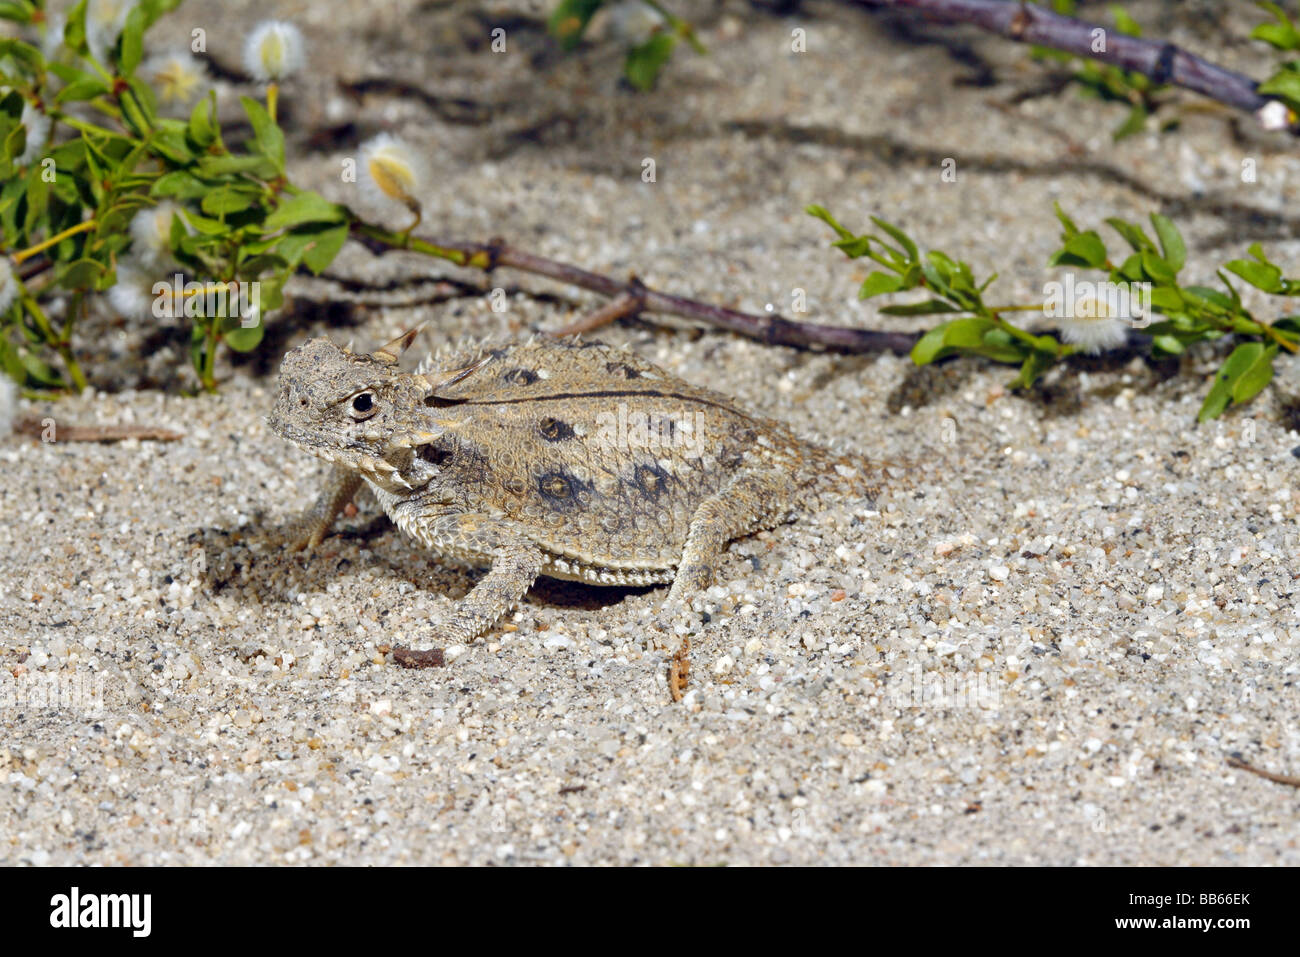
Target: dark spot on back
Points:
x,y
521,376
434,455
556,486
561,490
553,430
651,480
622,368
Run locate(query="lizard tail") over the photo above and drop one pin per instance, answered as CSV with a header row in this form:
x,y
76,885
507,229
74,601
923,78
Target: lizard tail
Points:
x,y
837,474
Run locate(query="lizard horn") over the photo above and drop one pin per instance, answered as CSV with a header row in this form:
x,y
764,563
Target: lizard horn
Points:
x,y
389,353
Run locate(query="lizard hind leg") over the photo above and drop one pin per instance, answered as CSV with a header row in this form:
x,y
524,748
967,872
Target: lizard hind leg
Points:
x,y
750,502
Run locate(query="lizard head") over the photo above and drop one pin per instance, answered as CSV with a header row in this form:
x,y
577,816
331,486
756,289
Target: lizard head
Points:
x,y
358,411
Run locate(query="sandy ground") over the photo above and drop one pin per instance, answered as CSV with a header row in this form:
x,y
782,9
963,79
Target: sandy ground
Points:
x,y
1040,651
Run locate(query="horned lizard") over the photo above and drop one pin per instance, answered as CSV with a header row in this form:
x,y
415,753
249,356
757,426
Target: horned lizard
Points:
x,y
553,457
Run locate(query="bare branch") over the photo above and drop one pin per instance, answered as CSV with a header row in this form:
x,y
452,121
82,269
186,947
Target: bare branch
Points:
x,y
1162,62
770,329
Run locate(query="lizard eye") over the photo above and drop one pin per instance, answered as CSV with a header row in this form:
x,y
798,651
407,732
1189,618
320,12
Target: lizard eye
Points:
x,y
362,406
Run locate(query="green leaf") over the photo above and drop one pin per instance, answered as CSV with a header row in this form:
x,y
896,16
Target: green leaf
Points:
x,y
974,335
216,167
202,129
16,10
180,185
239,337
879,283
38,200
1171,241
205,226
1208,297
1168,345
929,307
272,292
144,98
39,370
228,199
899,236
1236,296
306,207
1081,249
324,247
169,141
313,246
15,143
1124,23
23,52
268,137
645,60
87,87
1164,299
1282,34
1133,123
133,40
11,362
568,21
1261,275
80,274
74,31
1157,268
1133,234
1246,371
1035,364
1283,37
821,213
1285,84
1252,381
1066,221
1289,324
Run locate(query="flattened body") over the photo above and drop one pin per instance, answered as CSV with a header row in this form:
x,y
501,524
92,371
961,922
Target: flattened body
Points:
x,y
600,457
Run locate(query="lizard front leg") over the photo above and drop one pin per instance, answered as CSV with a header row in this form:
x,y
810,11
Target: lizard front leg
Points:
x,y
309,529
516,561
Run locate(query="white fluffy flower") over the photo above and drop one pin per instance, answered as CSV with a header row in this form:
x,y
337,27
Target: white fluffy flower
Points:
x,y
392,172
37,127
8,284
177,78
634,21
151,232
273,51
132,296
1095,324
1274,115
105,20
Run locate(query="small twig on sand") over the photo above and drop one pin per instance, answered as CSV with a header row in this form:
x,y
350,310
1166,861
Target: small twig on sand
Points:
x,y
679,670
30,425
1031,23
412,658
619,308
1289,780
